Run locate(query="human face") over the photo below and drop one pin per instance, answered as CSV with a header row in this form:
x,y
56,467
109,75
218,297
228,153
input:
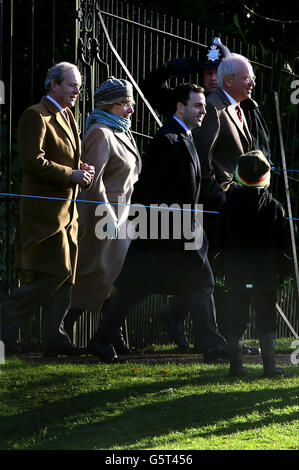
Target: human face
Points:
x,y
241,84
123,109
67,91
210,80
194,111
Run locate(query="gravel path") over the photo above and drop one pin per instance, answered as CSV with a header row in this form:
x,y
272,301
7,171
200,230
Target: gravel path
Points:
x,y
152,358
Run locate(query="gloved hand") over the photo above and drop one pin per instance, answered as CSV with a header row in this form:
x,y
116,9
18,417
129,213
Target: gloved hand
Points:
x,y
183,65
107,227
111,229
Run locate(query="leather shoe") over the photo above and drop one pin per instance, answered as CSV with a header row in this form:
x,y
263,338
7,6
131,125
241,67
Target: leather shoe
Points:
x,y
65,350
105,352
217,352
9,338
121,347
174,327
12,346
250,350
241,372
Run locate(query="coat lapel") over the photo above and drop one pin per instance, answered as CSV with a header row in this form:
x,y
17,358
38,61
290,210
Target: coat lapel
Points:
x,y
189,143
130,144
75,133
61,121
241,126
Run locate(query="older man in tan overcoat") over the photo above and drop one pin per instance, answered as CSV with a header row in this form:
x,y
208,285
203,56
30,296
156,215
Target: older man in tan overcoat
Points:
x,y
46,241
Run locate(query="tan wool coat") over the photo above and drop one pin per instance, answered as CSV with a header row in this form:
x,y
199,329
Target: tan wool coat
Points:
x,y
49,149
117,164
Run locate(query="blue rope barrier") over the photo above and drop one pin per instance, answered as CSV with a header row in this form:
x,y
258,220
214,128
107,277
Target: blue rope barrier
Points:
x,y
283,169
110,203
117,203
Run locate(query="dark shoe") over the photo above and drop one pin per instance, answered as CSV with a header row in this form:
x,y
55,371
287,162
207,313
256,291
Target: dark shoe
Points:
x,y
174,327
214,353
105,352
250,350
275,372
237,372
12,346
236,368
121,347
267,342
9,338
65,350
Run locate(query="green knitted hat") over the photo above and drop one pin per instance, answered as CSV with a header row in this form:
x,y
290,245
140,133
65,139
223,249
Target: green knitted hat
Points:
x,y
253,170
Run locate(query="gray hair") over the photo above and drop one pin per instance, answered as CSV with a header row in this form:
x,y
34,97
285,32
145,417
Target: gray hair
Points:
x,y
57,73
228,67
102,106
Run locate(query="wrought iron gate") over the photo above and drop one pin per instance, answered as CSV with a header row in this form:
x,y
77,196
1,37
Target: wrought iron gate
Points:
x,y
116,38
110,37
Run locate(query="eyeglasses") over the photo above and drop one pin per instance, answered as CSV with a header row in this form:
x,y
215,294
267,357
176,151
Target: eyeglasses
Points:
x,y
250,78
126,106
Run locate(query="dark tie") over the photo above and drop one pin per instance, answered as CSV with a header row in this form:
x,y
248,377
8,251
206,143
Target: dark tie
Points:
x,y
239,113
67,117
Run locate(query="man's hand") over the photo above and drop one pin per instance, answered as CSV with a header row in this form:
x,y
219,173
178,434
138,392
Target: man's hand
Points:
x,y
81,177
84,176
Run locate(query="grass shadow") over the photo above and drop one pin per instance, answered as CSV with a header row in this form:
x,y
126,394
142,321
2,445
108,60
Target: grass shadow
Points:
x,y
106,418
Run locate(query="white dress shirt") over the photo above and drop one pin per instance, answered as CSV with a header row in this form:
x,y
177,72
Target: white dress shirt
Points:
x,y
183,125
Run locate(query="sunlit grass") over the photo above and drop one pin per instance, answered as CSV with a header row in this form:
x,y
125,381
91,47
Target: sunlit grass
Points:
x,y
141,406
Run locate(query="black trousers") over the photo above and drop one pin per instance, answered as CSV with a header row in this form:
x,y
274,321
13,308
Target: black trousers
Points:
x,y
193,290
198,302
236,306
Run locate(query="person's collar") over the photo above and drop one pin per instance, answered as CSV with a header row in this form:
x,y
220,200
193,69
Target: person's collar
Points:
x,y
55,102
231,99
182,124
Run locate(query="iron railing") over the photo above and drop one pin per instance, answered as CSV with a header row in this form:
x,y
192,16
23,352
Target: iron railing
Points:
x,y
111,37
129,42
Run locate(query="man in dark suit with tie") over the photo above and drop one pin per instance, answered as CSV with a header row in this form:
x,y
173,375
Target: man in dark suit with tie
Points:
x,y
171,175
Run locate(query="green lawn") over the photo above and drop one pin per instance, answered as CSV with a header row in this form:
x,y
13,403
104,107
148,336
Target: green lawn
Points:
x,y
138,406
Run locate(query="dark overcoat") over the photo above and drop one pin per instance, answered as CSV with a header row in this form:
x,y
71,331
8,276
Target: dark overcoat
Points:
x,y
254,241
171,175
